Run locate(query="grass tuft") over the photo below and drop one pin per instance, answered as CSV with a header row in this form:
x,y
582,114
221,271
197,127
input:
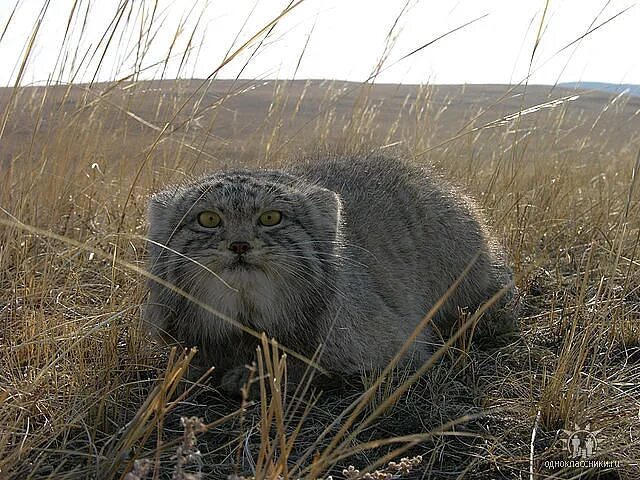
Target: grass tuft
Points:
x,y
84,391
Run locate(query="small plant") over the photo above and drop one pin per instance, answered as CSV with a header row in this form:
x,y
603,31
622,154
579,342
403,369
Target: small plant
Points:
x,y
391,471
188,452
84,391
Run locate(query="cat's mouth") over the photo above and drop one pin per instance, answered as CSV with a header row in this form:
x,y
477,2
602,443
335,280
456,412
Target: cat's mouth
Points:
x,y
241,263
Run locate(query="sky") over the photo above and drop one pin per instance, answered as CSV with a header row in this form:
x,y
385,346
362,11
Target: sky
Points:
x,y
474,41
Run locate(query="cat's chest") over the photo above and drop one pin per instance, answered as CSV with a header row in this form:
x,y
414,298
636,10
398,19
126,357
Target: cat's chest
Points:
x,y
246,297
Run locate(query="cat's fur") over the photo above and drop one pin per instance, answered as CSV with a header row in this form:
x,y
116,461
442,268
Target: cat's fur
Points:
x,y
365,248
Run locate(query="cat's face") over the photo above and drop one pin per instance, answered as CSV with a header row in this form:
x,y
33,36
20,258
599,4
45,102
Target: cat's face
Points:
x,y
244,240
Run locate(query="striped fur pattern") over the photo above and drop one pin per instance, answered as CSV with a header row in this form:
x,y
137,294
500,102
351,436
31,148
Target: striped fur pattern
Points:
x,y
364,248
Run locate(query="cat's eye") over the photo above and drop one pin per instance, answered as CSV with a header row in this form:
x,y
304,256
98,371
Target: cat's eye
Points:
x,y
209,219
270,218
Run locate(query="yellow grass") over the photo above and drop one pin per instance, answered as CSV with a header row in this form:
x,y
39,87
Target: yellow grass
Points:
x,y
84,392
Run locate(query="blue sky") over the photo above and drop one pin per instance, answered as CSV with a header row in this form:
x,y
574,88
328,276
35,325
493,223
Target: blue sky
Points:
x,y
344,39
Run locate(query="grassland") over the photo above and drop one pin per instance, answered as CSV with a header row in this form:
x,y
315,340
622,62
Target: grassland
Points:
x,y
84,392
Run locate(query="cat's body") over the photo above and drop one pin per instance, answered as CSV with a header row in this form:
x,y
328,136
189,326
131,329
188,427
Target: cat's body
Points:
x,y
360,251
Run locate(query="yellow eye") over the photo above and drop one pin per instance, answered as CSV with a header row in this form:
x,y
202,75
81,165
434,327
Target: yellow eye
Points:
x,y
209,219
270,218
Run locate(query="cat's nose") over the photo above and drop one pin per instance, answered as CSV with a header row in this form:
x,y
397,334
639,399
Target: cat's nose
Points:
x,y
239,247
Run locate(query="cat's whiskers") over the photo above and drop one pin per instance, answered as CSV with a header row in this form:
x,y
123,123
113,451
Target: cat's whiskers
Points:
x,y
291,291
303,273
186,257
191,278
334,258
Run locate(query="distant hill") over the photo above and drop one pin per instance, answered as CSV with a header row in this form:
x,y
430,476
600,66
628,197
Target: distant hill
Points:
x,y
629,88
234,119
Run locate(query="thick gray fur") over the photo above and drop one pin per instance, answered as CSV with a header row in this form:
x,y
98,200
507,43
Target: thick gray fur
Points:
x,y
365,248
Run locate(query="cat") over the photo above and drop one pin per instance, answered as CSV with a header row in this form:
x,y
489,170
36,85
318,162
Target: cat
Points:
x,y
347,253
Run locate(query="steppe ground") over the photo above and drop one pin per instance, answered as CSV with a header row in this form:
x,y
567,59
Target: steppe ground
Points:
x,y
84,392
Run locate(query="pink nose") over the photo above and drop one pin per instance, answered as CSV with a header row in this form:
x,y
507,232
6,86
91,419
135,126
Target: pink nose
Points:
x,y
239,247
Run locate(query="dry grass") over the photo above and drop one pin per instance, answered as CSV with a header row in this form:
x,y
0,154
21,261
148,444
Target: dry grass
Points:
x,y
84,393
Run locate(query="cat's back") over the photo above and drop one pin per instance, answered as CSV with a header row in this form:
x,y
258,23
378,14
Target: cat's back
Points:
x,y
376,191
414,232
386,199
358,178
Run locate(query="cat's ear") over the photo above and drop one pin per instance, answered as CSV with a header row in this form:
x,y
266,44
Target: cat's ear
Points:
x,y
161,199
159,214
157,207
328,210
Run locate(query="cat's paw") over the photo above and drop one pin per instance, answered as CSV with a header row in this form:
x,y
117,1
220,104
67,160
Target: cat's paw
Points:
x,y
235,379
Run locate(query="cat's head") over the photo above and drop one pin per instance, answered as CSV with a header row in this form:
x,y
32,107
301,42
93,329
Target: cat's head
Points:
x,y
248,232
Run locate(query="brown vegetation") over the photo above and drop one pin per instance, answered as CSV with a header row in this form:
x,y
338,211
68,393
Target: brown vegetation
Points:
x,y
84,393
